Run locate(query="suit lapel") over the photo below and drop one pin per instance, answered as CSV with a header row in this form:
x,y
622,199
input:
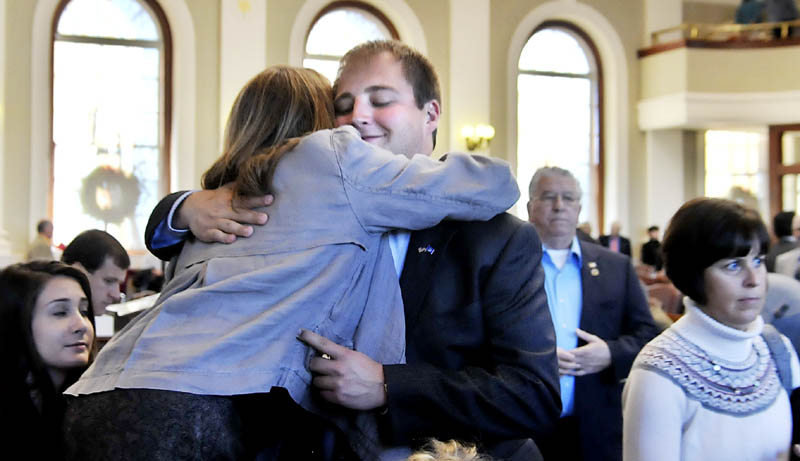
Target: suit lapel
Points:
x,y
589,284
425,250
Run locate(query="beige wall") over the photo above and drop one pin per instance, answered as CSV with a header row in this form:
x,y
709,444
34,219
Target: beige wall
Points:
x,y
17,122
708,13
720,71
205,15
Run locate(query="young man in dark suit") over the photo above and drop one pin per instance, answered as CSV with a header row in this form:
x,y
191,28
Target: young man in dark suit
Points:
x,y
601,319
480,345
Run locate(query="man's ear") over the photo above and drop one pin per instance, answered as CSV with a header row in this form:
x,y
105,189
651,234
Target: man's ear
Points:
x,y
530,211
80,267
432,114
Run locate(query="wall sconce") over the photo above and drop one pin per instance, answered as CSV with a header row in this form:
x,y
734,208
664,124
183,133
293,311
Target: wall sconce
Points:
x,y
475,136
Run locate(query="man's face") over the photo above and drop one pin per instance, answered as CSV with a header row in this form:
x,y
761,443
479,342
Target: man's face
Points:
x,y
105,285
554,209
375,97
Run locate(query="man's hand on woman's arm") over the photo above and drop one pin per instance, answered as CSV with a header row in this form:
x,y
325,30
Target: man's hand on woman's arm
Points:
x,y
213,215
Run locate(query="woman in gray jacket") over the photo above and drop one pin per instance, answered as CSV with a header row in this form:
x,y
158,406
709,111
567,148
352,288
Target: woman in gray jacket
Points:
x,y
226,323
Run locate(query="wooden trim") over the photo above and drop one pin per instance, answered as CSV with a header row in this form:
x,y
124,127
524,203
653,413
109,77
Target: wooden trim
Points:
x,y
353,4
166,69
733,44
599,173
776,167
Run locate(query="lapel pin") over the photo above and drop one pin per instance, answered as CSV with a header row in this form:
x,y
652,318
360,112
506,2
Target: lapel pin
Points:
x,y
593,269
426,249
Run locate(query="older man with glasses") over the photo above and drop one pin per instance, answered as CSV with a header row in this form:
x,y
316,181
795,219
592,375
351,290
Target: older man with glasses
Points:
x,y
601,318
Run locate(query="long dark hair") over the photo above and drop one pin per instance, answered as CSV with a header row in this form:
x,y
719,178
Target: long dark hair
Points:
x,y
274,109
28,394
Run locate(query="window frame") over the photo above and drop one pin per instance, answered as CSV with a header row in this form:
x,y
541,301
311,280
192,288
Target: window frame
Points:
x,y
342,4
776,167
165,102
597,115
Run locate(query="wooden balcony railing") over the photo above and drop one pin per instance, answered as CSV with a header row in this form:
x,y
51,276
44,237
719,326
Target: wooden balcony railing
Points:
x,y
726,32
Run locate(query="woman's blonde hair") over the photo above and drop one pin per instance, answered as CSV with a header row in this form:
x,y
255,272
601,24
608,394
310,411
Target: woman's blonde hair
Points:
x,y
451,450
271,112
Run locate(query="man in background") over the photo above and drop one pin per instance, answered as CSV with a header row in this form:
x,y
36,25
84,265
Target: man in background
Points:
x,y
651,249
104,261
783,225
616,242
41,248
601,317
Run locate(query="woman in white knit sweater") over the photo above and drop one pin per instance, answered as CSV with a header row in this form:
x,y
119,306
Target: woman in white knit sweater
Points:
x,y
709,387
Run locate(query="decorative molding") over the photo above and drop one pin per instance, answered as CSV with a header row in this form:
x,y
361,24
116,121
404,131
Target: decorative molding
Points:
x,y
704,110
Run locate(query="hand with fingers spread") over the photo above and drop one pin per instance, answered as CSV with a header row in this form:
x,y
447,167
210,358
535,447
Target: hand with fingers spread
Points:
x,y
344,376
214,216
590,358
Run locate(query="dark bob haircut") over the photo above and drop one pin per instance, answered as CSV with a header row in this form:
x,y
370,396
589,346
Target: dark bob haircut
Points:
x,y
702,232
92,247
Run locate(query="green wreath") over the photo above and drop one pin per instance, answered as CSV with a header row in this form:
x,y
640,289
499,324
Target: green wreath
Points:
x,y
110,195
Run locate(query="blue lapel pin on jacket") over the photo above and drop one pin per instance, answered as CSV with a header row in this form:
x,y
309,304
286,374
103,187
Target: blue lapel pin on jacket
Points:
x,y
593,269
426,249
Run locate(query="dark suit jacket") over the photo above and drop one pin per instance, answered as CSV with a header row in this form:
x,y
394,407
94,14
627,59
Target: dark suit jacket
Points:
x,y
624,244
782,246
480,345
651,254
614,308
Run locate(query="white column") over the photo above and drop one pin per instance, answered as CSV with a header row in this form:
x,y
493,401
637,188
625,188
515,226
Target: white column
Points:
x,y
6,256
243,48
664,176
469,67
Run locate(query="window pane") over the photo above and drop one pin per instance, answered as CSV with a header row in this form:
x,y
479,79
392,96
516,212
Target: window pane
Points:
x,y
790,192
554,117
736,167
126,19
326,67
790,147
554,50
106,119
343,28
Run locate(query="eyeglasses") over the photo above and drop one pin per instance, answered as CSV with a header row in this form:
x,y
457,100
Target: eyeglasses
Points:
x,y
566,197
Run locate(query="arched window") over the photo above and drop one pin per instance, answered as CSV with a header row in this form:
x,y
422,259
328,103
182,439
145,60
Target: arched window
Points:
x,y
559,100
339,27
111,123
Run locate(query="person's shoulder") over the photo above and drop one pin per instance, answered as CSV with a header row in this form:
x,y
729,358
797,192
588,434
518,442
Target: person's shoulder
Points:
x,y
501,226
599,252
490,235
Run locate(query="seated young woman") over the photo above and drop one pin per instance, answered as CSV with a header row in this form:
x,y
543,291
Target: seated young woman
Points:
x,y
47,337
224,330
715,385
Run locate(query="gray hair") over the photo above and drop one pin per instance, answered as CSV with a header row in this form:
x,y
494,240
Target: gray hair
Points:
x,y
548,171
